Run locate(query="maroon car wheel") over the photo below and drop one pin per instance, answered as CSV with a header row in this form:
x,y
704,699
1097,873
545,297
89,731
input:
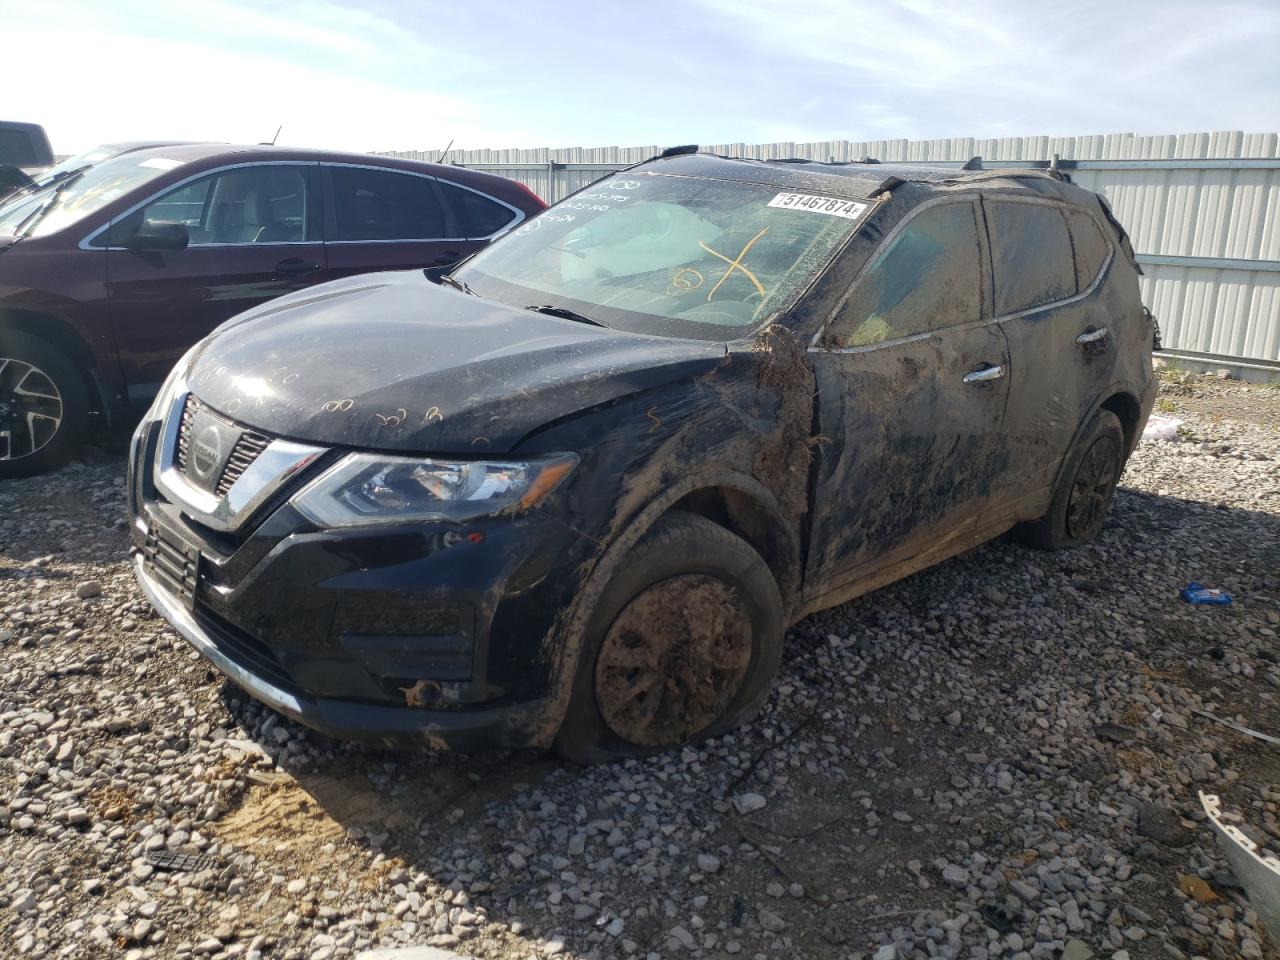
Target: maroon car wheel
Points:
x,y
43,406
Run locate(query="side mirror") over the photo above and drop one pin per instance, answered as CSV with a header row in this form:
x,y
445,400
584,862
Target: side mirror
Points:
x,y
159,235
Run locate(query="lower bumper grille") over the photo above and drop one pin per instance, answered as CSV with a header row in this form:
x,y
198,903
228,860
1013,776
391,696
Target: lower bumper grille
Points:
x,y
247,651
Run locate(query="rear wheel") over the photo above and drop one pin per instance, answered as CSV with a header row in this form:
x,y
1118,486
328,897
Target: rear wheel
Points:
x,y
44,406
1085,488
683,644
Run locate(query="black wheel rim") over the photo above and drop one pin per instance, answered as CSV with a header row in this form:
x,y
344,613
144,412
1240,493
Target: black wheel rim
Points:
x,y
1091,491
30,409
673,660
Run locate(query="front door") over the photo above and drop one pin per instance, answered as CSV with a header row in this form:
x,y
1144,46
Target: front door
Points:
x,y
912,380
254,234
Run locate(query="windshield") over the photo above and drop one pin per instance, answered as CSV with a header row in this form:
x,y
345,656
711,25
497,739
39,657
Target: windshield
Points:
x,y
672,256
71,198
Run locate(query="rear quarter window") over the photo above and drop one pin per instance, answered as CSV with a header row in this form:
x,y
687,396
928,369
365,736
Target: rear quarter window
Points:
x,y
1090,246
1032,256
476,214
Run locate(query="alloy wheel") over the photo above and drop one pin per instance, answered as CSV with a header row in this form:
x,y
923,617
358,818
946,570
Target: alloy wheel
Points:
x,y
1092,488
673,660
30,409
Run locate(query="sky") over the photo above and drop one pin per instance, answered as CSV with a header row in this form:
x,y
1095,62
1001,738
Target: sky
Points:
x,y
413,74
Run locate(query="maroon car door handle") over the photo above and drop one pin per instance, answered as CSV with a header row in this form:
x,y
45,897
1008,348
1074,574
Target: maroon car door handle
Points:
x,y
295,267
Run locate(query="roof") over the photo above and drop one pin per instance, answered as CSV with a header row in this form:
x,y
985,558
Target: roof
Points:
x,y
855,178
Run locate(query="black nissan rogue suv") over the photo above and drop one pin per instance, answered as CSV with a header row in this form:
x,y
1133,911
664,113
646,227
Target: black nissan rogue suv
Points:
x,y
575,496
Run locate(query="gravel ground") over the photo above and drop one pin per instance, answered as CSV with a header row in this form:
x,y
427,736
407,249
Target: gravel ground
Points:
x,y
999,757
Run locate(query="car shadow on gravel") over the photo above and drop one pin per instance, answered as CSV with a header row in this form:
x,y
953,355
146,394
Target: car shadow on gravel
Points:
x,y
904,734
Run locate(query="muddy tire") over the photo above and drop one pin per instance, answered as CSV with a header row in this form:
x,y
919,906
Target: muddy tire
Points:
x,y
1085,487
44,406
682,645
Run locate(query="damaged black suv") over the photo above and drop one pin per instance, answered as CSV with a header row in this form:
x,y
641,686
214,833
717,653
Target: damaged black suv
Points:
x,y
576,496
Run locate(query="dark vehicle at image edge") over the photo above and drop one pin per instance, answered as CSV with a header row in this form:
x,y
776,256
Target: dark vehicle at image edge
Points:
x,y
119,259
575,496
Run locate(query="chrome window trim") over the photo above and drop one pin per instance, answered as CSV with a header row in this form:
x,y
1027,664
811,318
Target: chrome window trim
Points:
x,y
85,242
520,214
970,197
280,461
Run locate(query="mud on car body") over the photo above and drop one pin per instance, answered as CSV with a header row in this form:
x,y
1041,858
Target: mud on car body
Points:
x,y
575,497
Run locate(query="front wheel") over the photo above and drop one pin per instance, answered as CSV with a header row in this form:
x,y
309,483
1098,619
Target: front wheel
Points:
x,y
44,406
1085,488
682,646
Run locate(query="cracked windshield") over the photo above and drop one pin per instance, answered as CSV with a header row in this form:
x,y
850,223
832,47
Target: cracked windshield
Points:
x,y
672,256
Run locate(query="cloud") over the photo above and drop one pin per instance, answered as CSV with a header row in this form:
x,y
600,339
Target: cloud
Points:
x,y
999,66
332,76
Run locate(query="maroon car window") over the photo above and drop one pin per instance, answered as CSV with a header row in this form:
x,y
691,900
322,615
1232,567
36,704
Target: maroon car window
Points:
x,y
245,205
1090,246
926,277
477,216
383,205
1032,254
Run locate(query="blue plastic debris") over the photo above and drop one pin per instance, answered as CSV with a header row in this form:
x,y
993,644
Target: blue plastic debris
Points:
x,y
1199,593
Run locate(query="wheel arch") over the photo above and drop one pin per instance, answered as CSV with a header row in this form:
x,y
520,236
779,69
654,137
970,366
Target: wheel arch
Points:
x,y
736,495
56,332
1129,411
756,520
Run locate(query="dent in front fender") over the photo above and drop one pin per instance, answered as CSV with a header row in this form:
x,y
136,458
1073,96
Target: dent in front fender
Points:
x,y
746,425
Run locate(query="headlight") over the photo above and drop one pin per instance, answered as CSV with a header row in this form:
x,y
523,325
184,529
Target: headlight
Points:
x,y
368,488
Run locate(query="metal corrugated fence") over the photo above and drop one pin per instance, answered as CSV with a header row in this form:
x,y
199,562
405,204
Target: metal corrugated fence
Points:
x,y
1203,210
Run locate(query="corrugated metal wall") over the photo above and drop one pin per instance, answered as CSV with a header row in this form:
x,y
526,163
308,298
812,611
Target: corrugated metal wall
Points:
x,y
1203,210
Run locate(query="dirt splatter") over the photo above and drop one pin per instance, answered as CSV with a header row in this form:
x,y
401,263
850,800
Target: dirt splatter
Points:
x,y
784,455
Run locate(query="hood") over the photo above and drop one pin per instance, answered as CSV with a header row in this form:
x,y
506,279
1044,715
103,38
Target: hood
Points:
x,y
7,241
390,361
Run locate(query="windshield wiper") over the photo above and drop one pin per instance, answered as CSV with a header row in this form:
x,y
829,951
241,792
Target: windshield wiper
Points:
x,y
563,313
59,183
461,285
36,186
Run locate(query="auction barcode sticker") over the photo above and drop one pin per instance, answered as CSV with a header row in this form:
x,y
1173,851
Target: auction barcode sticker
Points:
x,y
849,209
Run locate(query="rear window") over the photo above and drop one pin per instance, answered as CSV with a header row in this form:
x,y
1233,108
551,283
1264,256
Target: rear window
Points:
x,y
477,215
1031,252
1090,245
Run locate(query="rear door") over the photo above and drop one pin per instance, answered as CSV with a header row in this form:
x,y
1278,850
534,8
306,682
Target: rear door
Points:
x,y
383,219
912,384
1049,259
254,234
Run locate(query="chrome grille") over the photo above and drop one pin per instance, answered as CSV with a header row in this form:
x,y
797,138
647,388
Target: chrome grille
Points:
x,y
184,431
247,449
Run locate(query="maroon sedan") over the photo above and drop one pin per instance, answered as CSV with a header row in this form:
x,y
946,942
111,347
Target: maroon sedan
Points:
x,y
120,259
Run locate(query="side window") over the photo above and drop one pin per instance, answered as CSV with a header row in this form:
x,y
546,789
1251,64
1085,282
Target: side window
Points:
x,y
247,205
477,216
383,205
1090,245
926,278
1032,256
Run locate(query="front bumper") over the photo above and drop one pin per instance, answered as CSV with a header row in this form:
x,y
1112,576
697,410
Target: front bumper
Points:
x,y
386,726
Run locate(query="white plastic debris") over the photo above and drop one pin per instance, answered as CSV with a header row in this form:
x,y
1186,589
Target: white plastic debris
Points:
x,y
1161,428
1257,870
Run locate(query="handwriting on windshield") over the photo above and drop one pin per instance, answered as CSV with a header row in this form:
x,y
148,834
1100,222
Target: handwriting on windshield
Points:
x,y
736,264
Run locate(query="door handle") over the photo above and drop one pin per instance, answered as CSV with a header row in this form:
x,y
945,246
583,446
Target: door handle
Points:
x,y
985,374
295,267
1092,336
448,257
